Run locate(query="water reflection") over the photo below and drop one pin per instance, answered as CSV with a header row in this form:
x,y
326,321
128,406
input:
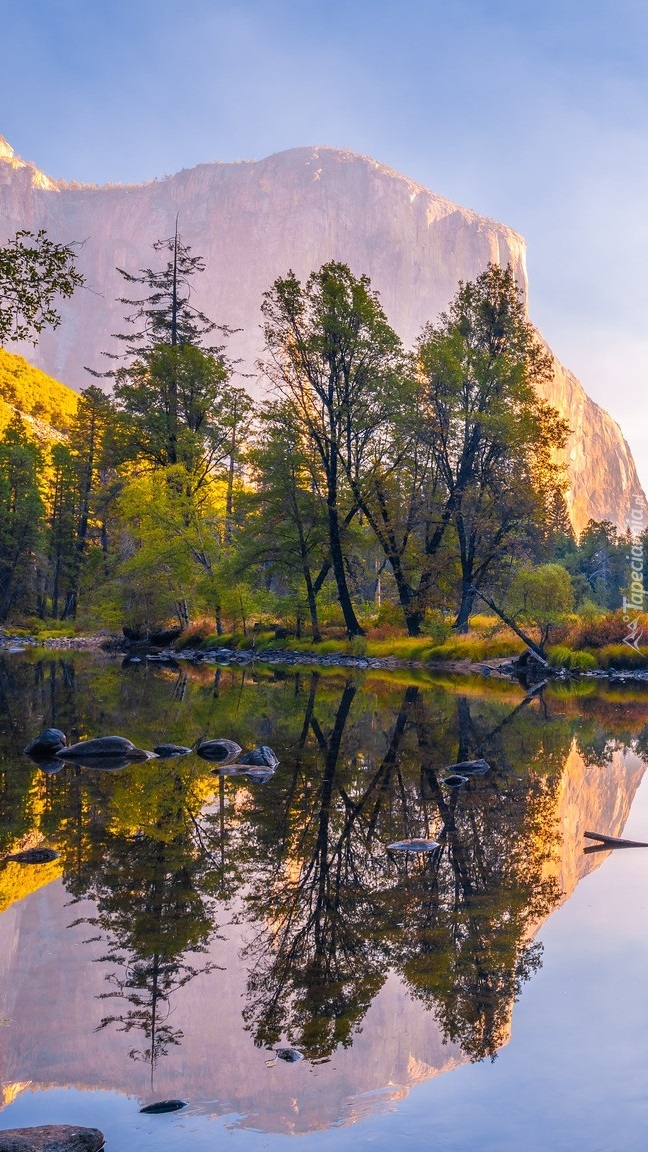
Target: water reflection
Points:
x,y
284,891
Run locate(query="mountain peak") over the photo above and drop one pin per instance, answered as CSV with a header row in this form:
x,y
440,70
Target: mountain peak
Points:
x,y
6,151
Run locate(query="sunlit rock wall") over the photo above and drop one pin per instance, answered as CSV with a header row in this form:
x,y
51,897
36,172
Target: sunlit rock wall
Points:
x,y
252,221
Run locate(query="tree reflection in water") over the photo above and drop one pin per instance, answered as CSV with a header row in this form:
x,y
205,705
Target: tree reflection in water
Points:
x,y
156,909
335,913
166,851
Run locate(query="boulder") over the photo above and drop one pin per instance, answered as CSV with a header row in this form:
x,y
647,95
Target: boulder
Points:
x,y
470,767
168,751
262,757
103,746
34,856
47,743
52,1138
218,751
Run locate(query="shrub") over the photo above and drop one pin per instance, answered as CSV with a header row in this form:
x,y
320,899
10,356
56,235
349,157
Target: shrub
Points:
x,y
558,656
436,626
358,646
195,634
562,657
623,657
582,662
601,631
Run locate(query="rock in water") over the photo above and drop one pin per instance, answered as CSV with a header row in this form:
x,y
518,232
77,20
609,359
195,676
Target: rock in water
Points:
x,y
102,763
34,856
470,767
49,766
454,780
262,757
47,744
104,746
218,751
164,1106
290,1055
413,846
260,775
52,1138
167,751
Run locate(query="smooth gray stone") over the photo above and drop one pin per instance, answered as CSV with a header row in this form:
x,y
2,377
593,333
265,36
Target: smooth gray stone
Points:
x,y
52,1138
167,751
34,856
103,746
47,743
262,757
260,775
413,846
470,767
218,751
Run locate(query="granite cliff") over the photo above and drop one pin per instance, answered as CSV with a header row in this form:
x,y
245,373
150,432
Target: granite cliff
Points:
x,y
252,221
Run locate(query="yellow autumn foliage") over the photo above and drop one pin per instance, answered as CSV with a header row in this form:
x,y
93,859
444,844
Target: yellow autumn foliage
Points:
x,y
46,405
20,880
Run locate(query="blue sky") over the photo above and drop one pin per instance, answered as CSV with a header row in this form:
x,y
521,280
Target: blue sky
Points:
x,y
534,114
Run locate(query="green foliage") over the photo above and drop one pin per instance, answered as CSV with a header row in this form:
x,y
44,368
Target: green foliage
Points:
x,y
562,657
50,404
34,270
622,656
496,438
21,518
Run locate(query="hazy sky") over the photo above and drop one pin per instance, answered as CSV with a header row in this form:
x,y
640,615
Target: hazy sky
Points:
x,y
532,113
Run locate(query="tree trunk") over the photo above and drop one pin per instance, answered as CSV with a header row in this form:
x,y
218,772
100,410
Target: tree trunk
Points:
x,y
511,623
468,594
312,605
351,621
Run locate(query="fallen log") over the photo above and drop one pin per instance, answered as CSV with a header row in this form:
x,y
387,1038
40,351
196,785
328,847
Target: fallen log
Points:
x,y
614,842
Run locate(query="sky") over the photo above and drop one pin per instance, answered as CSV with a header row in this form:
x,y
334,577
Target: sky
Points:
x,y
535,114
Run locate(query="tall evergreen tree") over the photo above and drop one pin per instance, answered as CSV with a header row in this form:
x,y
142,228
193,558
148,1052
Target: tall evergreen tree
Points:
x,y
21,517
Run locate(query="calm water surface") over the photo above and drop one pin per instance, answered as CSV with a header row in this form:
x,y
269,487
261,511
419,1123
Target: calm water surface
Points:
x,y
491,995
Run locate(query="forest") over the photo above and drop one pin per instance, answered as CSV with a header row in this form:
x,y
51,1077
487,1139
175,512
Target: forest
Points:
x,y
375,493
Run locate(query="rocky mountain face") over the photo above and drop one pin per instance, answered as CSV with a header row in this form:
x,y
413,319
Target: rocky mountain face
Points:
x,y
252,221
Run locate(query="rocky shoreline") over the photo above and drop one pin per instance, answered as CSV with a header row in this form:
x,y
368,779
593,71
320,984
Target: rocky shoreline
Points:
x,y
113,644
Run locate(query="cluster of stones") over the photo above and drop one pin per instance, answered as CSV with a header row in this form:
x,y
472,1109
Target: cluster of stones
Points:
x,y
50,751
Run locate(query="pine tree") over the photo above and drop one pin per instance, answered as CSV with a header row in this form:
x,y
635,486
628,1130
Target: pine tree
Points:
x,y
21,517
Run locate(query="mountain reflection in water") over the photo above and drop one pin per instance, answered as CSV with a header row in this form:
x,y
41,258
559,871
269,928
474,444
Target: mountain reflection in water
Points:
x,y
201,922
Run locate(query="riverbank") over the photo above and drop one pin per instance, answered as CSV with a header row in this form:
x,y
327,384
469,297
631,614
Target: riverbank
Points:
x,y
513,666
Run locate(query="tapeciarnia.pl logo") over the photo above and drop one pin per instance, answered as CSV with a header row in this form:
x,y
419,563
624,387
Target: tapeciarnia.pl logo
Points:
x,y
634,601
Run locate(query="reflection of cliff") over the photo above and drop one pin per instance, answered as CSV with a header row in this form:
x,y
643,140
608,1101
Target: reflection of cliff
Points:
x,y
43,964
597,798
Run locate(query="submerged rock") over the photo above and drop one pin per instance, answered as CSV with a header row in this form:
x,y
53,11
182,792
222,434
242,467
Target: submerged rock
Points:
x,y
34,856
454,780
102,763
168,751
47,743
104,746
218,751
470,767
413,846
52,1138
288,1055
164,1106
262,757
260,775
50,766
